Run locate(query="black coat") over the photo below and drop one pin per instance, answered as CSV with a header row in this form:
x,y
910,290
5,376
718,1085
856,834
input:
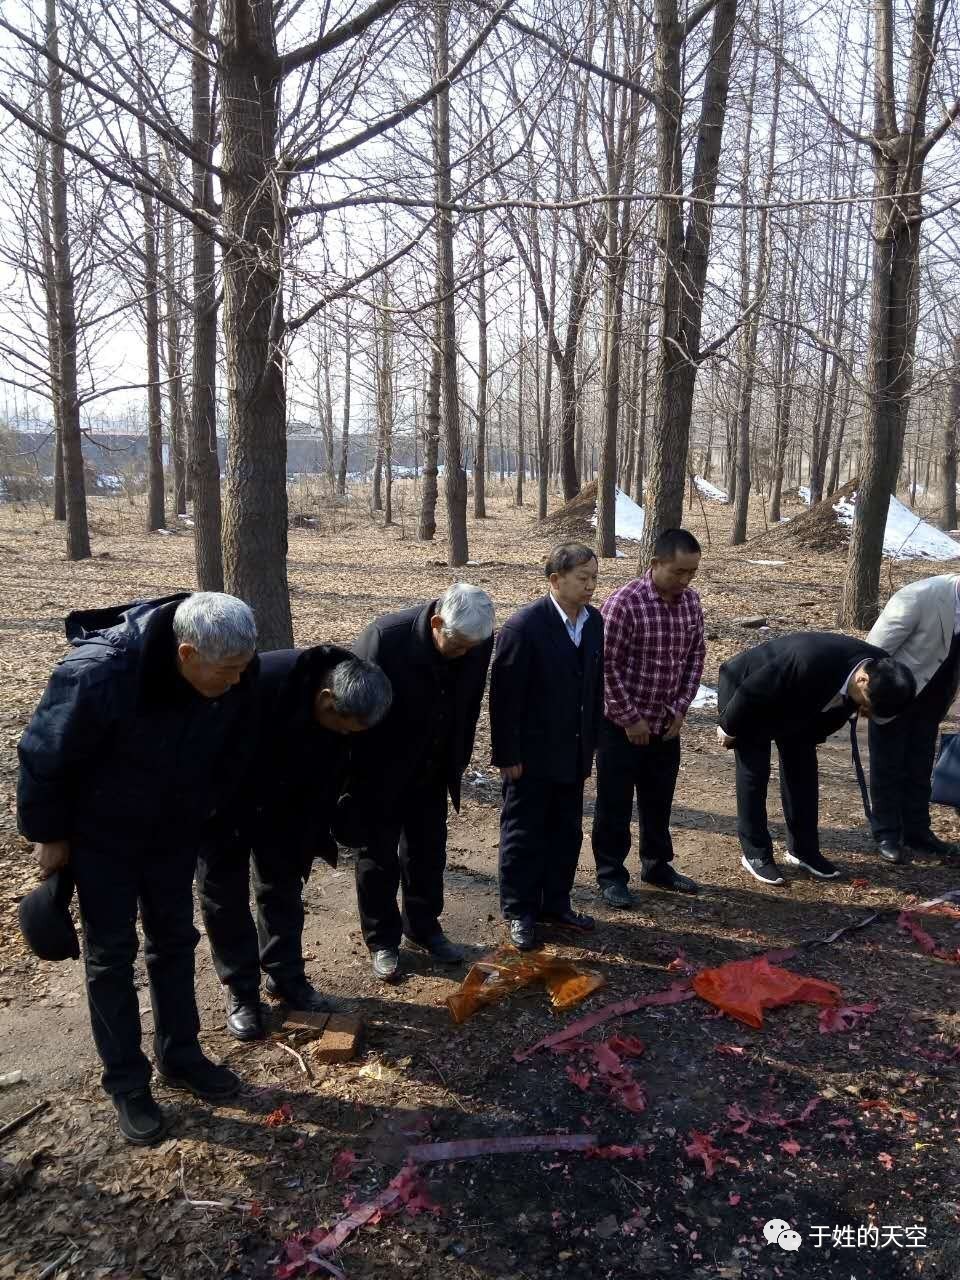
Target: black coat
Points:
x,y
391,758
121,751
779,689
546,696
299,768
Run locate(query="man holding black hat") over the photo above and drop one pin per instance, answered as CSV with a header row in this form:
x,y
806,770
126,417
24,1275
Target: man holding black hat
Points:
x,y
127,764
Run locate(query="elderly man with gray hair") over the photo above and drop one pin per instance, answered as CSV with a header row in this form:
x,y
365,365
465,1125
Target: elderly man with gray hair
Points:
x,y
436,657
128,763
312,703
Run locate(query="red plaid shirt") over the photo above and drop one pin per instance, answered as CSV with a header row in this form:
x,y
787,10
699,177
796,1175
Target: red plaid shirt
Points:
x,y
653,654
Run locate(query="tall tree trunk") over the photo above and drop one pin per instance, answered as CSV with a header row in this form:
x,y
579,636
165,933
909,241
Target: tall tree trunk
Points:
x,y
203,459
455,478
78,534
751,327
255,519
684,253
326,404
521,444
622,120
384,374
53,331
174,362
898,166
948,472
483,379
156,516
345,433
431,441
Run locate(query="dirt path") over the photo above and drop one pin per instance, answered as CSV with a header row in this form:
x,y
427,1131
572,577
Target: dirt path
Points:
x,y
879,1148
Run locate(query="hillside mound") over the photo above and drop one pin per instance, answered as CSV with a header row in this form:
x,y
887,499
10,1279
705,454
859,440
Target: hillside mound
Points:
x,y
574,519
819,529
577,519
826,527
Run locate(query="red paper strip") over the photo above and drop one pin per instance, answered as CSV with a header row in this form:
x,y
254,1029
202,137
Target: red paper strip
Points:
x,y
673,995
471,1148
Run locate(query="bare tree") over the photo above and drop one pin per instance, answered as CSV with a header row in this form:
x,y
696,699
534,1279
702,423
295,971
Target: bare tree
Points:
x,y
899,154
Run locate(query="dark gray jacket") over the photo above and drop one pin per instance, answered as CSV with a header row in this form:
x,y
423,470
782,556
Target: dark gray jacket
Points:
x,y
121,751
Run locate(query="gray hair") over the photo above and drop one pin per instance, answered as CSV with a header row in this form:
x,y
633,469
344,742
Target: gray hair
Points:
x,y
217,625
360,689
467,612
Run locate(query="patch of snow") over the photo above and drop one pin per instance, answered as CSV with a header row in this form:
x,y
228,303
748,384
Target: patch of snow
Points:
x,y
709,490
628,518
706,699
109,482
766,562
803,493
906,536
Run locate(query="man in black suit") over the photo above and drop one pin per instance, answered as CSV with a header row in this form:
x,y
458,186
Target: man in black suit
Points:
x,y
310,703
436,658
546,704
796,691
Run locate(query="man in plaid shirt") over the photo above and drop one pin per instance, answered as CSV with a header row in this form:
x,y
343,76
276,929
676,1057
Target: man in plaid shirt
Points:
x,y
654,649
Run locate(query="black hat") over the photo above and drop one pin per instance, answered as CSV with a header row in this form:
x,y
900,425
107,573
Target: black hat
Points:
x,y
45,920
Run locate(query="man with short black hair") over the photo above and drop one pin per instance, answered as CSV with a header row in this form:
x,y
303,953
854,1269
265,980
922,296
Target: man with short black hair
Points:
x,y
653,655
436,658
795,691
546,700
311,703
129,762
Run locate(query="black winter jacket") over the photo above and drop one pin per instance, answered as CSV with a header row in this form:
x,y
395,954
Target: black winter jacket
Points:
x,y
546,696
121,751
299,767
779,689
390,758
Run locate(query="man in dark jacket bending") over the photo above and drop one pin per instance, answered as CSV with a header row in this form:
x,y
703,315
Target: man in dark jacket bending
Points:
x,y
436,657
796,691
311,703
129,761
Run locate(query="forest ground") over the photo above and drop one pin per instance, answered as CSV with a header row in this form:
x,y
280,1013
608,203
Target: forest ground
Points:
x,y
879,1149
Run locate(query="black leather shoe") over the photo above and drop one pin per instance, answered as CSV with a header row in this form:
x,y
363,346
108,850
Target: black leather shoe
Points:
x,y
664,877
244,1017
618,895
891,851
570,919
932,844
140,1119
523,934
386,964
440,947
205,1079
300,994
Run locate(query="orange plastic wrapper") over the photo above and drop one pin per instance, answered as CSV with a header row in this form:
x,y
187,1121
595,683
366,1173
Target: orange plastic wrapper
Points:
x,y
507,970
744,988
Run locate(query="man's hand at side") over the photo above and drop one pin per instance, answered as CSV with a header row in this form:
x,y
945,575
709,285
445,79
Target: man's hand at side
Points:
x,y
724,739
511,772
52,856
638,733
676,724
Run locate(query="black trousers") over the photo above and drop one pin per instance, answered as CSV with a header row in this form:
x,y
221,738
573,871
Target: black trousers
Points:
x,y
625,770
240,947
406,851
799,794
902,753
110,886
541,830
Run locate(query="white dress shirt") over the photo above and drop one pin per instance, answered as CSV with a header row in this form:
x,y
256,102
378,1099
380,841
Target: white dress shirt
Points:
x,y
574,629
